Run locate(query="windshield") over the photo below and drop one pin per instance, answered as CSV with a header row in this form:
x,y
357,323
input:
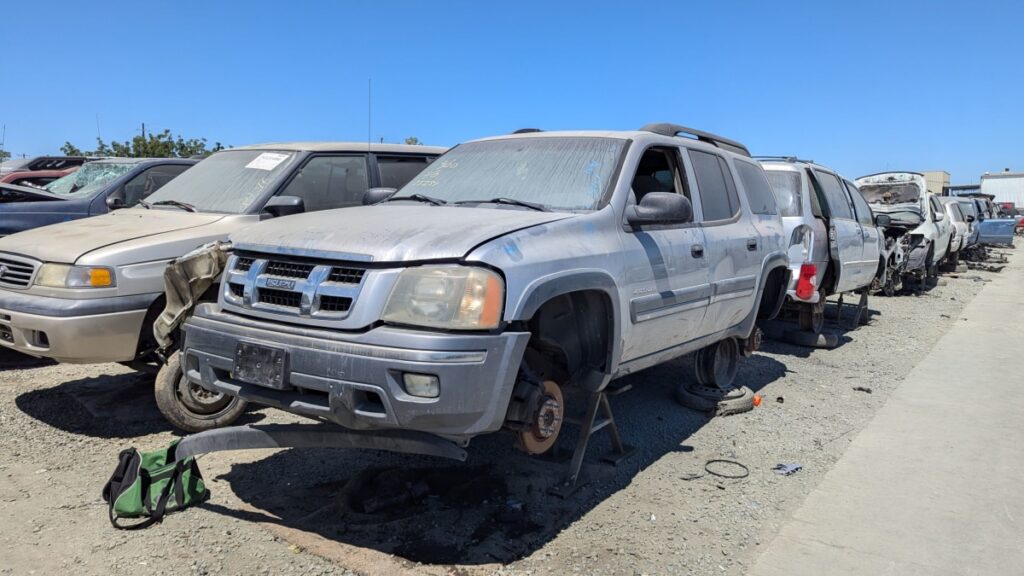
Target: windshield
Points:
x,y
228,182
570,173
967,208
786,185
89,179
901,193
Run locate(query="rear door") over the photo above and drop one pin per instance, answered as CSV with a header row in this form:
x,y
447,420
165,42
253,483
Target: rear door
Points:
x,y
845,239
734,245
872,235
667,266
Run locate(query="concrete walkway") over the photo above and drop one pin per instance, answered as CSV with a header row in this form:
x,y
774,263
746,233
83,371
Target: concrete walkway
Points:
x,y
935,483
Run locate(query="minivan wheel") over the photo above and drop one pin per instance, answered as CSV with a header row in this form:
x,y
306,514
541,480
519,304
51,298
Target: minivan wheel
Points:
x,y
812,316
190,407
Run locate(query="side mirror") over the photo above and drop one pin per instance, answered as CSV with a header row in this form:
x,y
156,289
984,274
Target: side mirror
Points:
x,y
970,218
939,216
660,208
115,201
284,206
883,220
377,195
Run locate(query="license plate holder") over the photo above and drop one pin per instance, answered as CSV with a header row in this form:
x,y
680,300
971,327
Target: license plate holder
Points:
x,y
261,365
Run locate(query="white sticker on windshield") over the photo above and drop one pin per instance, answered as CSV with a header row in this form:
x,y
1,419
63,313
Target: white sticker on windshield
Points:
x,y
267,161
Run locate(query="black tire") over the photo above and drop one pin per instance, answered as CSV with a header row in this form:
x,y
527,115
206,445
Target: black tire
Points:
x,y
810,339
715,401
715,366
189,407
812,317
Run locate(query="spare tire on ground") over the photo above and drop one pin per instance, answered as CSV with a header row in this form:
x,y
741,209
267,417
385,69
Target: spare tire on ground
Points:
x,y
715,400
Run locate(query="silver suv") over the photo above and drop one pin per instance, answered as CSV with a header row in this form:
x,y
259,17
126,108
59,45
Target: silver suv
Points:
x,y
835,245
512,268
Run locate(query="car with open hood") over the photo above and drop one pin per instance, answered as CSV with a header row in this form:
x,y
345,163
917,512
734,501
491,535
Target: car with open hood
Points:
x,y
513,268
95,188
835,244
916,219
88,291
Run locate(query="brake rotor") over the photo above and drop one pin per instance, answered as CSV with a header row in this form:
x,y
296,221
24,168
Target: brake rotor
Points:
x,y
542,433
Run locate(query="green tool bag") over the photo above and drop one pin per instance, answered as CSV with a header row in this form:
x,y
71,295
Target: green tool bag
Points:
x,y
149,484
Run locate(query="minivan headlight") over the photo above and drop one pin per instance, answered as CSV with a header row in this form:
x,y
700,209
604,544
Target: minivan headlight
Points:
x,y
67,276
448,297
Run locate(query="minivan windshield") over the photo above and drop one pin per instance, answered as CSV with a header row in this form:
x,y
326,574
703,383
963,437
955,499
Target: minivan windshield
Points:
x,y
786,184
896,193
556,173
89,179
230,181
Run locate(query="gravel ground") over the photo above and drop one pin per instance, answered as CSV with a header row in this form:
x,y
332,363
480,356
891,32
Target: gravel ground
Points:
x,y
313,511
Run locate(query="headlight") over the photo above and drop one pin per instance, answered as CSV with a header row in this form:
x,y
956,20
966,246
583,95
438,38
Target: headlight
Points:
x,y
451,297
66,276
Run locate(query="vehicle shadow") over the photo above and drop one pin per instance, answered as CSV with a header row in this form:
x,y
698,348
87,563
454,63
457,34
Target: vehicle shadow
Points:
x,y
108,406
493,508
838,325
12,360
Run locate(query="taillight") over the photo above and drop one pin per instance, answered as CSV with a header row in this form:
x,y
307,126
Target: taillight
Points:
x,y
807,283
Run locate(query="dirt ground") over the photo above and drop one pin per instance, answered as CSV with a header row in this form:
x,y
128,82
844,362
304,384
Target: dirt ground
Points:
x,y
328,511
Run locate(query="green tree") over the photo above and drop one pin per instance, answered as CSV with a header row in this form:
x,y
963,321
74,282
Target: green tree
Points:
x,y
4,155
159,145
412,140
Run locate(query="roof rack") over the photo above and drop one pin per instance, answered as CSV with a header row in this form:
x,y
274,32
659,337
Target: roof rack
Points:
x,y
527,130
669,129
784,159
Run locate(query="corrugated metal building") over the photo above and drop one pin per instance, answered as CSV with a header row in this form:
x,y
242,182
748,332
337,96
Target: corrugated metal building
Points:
x,y
1004,186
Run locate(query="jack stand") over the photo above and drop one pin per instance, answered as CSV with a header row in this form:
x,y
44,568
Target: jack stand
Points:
x,y
862,309
588,426
839,310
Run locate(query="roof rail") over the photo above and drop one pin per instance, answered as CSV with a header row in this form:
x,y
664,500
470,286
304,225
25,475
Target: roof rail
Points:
x,y
527,130
669,129
784,159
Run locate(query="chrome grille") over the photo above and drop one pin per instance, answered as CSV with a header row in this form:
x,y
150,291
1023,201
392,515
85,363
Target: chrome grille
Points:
x,y
16,272
274,285
346,275
288,269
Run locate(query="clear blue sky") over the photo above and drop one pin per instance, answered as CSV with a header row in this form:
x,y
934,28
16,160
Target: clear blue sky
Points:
x,y
860,86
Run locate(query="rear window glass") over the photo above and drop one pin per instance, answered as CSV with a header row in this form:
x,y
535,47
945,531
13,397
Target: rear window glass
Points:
x,y
759,192
835,196
717,193
787,187
864,214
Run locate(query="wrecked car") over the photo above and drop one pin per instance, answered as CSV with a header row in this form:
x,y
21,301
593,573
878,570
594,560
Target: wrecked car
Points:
x,y
835,245
914,218
960,235
89,291
514,273
95,188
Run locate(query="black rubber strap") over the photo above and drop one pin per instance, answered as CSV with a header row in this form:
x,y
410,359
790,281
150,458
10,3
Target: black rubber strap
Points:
x,y
161,505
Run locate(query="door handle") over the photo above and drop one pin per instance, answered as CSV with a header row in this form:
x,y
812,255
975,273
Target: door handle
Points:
x,y
697,251
751,244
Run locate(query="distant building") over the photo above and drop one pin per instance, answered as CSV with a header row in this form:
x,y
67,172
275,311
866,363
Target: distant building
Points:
x,y
1004,186
962,190
937,180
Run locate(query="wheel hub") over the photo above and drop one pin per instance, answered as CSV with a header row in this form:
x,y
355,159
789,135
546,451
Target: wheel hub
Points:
x,y
199,399
542,432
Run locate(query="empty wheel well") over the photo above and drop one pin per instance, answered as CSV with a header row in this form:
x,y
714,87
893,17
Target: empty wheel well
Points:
x,y
147,342
773,296
571,339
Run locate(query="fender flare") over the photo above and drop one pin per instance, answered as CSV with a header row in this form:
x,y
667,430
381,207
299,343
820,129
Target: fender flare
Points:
x,y
771,262
544,289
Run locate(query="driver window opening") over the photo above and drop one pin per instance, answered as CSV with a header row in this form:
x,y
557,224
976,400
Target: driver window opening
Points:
x,y
658,171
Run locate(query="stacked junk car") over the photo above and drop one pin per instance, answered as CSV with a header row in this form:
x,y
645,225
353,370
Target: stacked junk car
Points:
x,y
412,299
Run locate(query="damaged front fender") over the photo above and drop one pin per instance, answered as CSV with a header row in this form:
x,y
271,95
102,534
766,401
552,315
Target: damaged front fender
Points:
x,y
186,279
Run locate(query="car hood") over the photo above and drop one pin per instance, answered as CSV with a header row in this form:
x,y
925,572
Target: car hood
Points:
x,y
15,193
386,233
68,241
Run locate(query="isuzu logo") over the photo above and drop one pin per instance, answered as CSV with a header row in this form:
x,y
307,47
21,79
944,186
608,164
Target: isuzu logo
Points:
x,y
275,283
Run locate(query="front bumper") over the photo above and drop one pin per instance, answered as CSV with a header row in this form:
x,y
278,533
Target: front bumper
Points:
x,y
77,331
355,380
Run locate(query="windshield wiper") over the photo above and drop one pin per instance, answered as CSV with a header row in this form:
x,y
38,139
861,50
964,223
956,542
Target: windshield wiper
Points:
x,y
509,201
183,205
418,198
145,204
